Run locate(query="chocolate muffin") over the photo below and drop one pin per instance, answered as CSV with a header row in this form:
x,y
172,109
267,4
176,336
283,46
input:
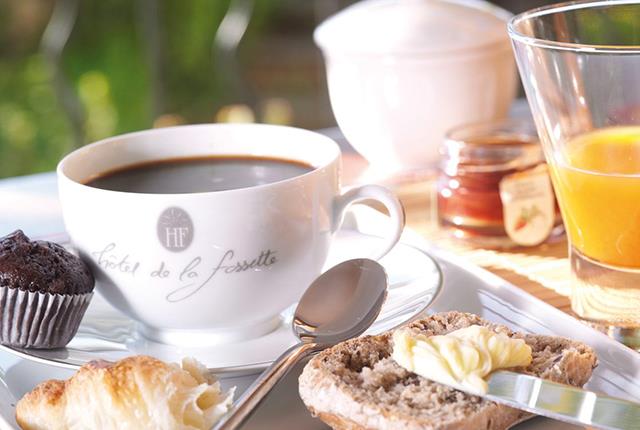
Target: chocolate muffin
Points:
x,y
41,266
44,292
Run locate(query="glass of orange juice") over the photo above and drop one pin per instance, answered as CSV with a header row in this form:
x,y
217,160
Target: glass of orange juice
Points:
x,y
580,66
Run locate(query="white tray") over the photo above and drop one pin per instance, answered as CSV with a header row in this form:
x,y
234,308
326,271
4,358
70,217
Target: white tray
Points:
x,y
466,288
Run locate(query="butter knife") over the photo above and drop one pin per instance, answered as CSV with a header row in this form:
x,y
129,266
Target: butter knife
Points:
x,y
562,402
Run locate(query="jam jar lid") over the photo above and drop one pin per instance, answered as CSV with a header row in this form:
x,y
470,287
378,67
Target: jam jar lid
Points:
x,y
491,146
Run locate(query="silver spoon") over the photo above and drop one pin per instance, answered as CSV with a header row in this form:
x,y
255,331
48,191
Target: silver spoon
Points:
x,y
339,305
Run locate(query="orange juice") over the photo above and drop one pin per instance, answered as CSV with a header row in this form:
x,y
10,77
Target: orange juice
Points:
x,y
597,179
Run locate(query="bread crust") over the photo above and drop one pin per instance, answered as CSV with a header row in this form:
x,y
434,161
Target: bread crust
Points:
x,y
338,422
356,385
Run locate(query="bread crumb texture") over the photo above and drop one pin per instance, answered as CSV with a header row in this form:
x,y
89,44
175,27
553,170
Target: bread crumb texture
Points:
x,y
357,385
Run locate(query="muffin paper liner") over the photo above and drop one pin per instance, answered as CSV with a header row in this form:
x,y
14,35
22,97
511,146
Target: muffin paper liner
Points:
x,y
40,320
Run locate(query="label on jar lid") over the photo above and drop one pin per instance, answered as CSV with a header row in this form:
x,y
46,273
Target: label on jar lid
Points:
x,y
528,205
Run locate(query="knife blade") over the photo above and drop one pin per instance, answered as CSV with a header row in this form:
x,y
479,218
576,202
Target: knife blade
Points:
x,y
562,402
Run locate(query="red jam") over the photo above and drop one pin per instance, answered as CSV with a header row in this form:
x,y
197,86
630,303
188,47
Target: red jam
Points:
x,y
474,161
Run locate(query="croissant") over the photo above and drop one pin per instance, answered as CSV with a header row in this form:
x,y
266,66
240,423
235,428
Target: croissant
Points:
x,y
137,392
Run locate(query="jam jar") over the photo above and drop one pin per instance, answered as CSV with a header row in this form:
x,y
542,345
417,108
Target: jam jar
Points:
x,y
493,186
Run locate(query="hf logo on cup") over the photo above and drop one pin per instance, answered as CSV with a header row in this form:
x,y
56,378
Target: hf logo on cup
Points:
x,y
175,229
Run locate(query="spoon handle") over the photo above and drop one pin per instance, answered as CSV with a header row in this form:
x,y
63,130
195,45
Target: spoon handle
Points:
x,y
245,405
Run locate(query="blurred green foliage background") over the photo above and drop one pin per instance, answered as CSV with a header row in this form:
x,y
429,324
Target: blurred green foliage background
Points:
x,y
73,71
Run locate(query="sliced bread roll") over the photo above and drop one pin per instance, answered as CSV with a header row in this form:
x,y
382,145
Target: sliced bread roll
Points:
x,y
357,385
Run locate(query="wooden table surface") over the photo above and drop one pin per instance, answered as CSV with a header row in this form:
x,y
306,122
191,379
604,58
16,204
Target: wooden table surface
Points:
x,y
542,271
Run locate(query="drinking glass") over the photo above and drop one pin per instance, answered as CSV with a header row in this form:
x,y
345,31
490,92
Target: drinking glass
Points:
x,y
580,66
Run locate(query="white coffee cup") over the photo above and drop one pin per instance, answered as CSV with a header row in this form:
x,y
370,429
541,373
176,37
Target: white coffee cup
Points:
x,y
210,266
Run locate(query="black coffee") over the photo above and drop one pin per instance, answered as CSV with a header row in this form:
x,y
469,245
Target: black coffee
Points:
x,y
195,175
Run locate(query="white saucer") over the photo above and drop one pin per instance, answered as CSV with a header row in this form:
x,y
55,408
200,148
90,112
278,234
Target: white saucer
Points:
x,y
105,333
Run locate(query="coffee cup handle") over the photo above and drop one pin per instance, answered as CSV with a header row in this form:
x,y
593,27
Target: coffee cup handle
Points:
x,y
382,195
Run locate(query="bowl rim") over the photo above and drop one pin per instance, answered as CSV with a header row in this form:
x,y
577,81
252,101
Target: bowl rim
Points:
x,y
320,34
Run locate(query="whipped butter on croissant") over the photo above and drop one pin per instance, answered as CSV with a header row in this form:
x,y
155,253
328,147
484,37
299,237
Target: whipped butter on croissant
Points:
x,y
461,358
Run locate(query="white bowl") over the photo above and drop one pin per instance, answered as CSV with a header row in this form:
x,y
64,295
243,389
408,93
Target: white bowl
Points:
x,y
402,72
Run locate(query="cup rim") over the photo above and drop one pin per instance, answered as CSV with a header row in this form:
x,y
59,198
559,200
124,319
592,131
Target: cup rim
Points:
x,y
62,175
320,33
518,36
